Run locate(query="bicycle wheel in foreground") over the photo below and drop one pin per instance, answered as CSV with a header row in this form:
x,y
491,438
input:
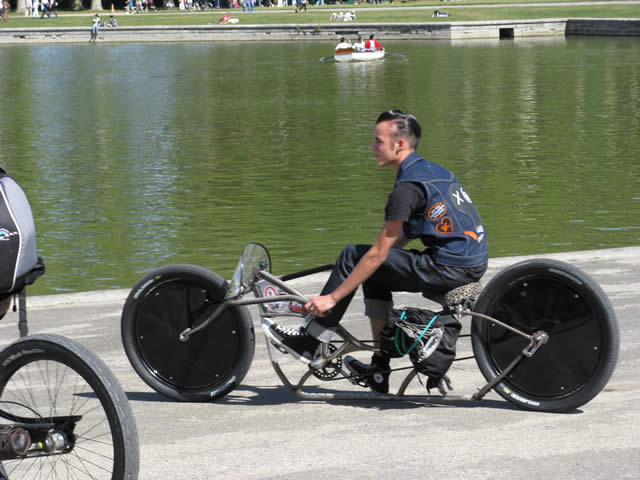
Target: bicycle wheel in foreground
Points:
x,y
580,356
49,378
212,362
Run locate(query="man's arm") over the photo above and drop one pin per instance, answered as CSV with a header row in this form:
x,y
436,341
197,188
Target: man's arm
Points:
x,y
401,241
388,238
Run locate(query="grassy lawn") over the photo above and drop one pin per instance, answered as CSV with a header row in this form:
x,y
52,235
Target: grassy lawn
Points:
x,y
365,14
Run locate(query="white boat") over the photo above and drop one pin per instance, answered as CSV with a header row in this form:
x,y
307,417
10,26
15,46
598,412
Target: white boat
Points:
x,y
350,55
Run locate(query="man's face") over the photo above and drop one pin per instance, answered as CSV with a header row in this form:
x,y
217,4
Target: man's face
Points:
x,y
385,145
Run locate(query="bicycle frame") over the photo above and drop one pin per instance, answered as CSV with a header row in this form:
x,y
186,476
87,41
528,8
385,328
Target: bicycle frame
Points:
x,y
348,342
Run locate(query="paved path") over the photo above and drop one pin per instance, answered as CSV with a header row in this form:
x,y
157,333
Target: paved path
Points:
x,y
261,431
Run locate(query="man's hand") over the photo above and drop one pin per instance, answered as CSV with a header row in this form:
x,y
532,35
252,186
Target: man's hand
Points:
x,y
319,306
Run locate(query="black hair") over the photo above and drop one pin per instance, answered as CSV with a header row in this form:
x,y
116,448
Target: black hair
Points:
x,y
407,126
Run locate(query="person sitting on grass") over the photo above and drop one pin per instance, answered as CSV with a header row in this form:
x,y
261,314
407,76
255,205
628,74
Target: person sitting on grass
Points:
x,y
112,22
349,16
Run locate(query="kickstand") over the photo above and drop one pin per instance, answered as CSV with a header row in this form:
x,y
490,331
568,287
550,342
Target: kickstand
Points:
x,y
23,328
483,391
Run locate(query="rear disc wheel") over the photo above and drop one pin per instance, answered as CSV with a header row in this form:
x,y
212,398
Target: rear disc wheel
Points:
x,y
580,356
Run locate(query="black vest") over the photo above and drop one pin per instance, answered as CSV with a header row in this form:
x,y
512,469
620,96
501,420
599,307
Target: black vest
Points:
x,y
451,225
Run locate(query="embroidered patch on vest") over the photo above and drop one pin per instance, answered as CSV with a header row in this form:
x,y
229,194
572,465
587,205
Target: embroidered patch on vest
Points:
x,y
437,211
445,226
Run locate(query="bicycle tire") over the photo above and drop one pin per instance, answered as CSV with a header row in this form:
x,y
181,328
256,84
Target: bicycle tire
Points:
x,y
213,362
581,354
48,376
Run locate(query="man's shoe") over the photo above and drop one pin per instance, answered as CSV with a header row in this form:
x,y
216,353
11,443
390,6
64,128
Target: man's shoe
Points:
x,y
376,376
293,340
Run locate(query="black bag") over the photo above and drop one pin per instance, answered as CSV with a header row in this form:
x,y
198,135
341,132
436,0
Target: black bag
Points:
x,y
429,339
19,262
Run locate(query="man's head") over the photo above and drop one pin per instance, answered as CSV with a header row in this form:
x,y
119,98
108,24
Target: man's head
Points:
x,y
372,36
397,136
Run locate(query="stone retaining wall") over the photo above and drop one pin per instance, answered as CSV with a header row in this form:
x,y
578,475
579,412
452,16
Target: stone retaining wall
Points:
x,y
603,26
393,31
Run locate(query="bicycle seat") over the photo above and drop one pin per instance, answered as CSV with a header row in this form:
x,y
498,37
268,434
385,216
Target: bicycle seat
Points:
x,y
465,295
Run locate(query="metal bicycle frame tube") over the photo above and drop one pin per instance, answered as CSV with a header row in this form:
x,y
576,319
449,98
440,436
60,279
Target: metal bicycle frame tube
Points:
x,y
352,344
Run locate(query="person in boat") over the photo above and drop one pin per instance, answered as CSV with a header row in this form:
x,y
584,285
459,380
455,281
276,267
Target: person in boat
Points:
x,y
344,44
372,44
427,202
359,45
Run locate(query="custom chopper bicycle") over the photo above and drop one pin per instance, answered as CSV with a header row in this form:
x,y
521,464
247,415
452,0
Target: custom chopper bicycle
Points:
x,y
543,333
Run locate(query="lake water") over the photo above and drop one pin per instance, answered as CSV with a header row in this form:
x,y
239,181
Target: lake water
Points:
x,y
136,156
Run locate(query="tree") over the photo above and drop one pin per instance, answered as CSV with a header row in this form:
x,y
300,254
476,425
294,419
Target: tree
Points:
x,y
76,5
21,6
96,5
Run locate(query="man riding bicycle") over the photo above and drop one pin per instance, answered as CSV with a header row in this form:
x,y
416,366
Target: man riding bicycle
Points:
x,y
426,202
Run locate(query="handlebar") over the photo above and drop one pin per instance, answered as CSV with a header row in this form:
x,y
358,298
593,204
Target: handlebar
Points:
x,y
304,273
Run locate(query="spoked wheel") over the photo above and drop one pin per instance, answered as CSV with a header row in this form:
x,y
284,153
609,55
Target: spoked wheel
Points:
x,y
580,356
162,305
47,377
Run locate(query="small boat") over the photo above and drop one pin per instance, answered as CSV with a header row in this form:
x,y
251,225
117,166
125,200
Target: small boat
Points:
x,y
350,55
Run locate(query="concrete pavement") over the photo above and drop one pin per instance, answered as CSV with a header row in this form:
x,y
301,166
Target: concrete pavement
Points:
x,y
261,431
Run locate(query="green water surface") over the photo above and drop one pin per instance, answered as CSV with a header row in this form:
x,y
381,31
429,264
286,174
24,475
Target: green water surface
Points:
x,y
139,155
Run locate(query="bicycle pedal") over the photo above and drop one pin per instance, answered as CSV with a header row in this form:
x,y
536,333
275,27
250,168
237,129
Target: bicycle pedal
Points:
x,y
358,382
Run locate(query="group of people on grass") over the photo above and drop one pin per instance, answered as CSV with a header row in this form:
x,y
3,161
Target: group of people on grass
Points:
x,y
95,27
343,17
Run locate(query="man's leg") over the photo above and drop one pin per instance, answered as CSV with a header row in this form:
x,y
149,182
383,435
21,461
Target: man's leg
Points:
x,y
405,271
302,343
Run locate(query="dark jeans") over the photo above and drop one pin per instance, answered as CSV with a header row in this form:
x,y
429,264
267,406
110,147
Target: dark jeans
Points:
x,y
402,271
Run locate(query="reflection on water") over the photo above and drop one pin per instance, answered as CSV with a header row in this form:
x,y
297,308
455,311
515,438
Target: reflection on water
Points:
x,y
135,156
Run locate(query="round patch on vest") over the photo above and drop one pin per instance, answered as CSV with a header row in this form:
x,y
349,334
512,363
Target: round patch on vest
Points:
x,y
437,211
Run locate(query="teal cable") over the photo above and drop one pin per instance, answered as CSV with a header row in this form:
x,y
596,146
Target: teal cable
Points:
x,y
403,335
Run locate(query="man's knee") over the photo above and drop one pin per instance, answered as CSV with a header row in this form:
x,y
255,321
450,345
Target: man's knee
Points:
x,y
351,255
377,309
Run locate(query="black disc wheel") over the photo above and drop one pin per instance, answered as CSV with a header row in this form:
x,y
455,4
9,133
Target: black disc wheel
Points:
x,y
561,300
165,303
78,417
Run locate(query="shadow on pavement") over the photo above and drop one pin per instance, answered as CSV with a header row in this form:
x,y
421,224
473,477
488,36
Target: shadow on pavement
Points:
x,y
280,395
